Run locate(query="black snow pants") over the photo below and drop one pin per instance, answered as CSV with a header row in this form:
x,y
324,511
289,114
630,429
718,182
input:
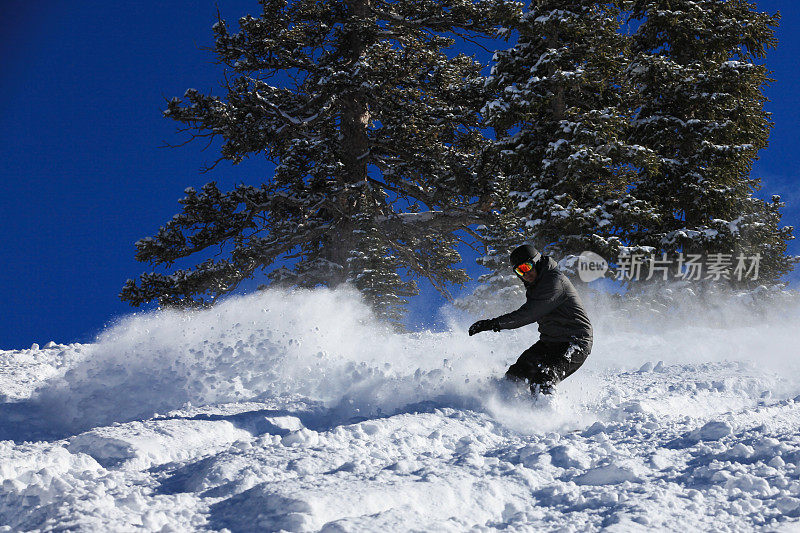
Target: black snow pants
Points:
x,y
544,364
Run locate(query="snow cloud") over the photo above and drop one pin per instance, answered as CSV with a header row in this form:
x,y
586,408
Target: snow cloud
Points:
x,y
324,346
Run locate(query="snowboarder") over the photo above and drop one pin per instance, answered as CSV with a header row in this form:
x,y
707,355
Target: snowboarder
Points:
x,y
565,333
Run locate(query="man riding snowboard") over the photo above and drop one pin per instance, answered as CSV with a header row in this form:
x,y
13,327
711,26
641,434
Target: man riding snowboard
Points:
x,y
565,333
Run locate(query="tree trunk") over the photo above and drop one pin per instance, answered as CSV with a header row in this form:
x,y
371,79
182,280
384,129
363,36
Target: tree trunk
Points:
x,y
558,106
354,146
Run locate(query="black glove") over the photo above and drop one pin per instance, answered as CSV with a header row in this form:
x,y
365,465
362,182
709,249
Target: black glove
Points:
x,y
484,325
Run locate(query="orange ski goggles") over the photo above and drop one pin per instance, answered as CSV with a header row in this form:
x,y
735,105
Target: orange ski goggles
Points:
x,y
523,268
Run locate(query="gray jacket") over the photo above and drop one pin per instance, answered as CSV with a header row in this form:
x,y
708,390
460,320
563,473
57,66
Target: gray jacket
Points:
x,y
552,302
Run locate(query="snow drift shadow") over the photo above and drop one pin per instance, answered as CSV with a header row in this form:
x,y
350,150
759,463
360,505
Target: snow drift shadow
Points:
x,y
27,421
324,345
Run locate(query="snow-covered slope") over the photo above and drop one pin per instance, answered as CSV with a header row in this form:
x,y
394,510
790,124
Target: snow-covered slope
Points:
x,y
295,411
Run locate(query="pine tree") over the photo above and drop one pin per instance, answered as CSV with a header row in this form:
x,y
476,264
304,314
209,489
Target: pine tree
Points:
x,y
561,119
500,235
697,72
374,132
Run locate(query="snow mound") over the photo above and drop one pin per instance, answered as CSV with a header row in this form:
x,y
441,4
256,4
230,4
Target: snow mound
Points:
x,y
140,445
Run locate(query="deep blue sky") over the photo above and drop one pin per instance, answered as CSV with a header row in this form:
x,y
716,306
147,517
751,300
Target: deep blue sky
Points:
x,y
81,92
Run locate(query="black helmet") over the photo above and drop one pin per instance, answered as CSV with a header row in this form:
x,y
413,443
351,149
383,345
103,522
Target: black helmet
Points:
x,y
523,253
